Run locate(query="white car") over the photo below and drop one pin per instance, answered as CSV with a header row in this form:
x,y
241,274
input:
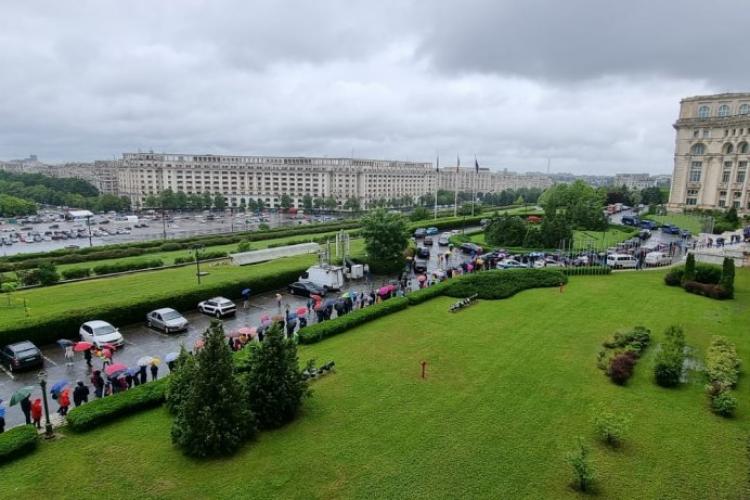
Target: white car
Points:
x,y
657,259
166,319
217,306
100,333
621,261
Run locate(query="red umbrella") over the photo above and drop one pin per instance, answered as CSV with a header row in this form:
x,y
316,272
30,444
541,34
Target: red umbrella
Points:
x,y
199,343
316,298
110,347
246,330
422,277
114,368
301,311
107,353
82,346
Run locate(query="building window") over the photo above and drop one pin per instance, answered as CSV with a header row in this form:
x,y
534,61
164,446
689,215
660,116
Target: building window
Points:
x,y
723,110
742,148
703,112
728,148
706,133
695,171
698,149
691,201
745,109
740,176
726,175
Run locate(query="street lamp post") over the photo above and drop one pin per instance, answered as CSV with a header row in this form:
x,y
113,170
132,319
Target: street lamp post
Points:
x,y
88,223
198,262
42,376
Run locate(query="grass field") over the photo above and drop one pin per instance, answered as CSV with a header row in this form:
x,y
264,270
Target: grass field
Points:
x,y
690,222
582,239
509,389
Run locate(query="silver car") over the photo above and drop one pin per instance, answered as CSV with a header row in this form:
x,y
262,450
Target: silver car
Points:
x,y
166,319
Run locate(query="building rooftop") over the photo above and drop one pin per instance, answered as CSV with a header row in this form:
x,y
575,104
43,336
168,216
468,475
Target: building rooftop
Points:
x,y
726,95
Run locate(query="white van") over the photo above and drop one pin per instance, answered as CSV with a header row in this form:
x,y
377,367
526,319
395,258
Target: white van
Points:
x,y
327,276
621,261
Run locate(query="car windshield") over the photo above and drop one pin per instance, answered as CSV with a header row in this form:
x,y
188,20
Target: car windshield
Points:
x,y
170,315
104,330
26,353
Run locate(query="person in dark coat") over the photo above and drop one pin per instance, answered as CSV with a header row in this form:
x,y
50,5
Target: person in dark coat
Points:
x,y
26,408
80,394
87,357
98,382
143,375
129,380
154,371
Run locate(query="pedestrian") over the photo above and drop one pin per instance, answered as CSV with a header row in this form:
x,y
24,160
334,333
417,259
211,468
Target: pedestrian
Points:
x,y
64,401
36,413
154,371
171,366
80,394
231,344
26,408
142,374
246,298
278,302
128,380
87,357
2,417
98,382
366,270
69,355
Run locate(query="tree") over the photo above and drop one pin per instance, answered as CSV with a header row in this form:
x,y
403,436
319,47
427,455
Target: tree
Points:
x,y
47,274
689,274
583,469
180,380
386,235
307,203
260,204
213,418
669,359
273,381
286,201
419,213
318,202
610,426
506,231
151,201
330,203
352,203
167,199
220,203
731,216
195,201
180,200
727,276
12,206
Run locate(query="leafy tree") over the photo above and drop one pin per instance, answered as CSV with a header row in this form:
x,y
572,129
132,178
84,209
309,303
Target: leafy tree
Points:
x,y
195,201
731,216
583,468
180,380
243,205
212,419
652,196
689,274
47,274
12,206
330,203
263,226
307,203
318,202
208,200
352,203
506,231
669,359
386,235
610,426
727,276
260,204
180,200
419,213
151,201
220,203
273,381
286,201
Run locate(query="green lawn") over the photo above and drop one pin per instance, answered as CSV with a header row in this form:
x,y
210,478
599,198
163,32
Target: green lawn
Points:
x,y
582,239
690,222
509,389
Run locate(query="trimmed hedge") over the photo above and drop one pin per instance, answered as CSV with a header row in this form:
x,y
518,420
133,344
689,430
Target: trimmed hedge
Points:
x,y
704,273
101,411
17,442
47,330
76,273
121,267
425,294
707,290
319,331
585,271
501,284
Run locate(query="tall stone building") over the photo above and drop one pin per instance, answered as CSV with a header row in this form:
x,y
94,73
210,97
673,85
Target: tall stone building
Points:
x,y
712,153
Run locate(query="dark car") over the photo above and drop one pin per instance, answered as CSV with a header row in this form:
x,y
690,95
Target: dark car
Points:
x,y
471,248
21,355
306,289
428,241
630,220
648,224
420,233
423,253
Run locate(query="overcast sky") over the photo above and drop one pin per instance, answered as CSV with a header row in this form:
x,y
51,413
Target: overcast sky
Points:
x,y
592,84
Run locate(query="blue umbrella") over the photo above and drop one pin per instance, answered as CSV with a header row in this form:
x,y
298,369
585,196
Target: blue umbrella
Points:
x,y
246,291
58,386
133,371
65,343
329,303
172,356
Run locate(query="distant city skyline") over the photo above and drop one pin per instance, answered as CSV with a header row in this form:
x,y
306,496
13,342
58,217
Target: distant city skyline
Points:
x,y
593,86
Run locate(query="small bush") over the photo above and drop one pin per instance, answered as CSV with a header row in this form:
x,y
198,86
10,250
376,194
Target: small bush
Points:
x,y
669,360
635,340
586,271
724,404
610,426
244,246
501,284
722,362
727,277
583,469
184,260
704,273
170,246
76,273
121,267
17,442
102,411
621,367
689,273
712,291
47,274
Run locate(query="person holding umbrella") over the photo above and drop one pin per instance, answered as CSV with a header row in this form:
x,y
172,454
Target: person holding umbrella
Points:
x,y
154,369
98,382
2,417
26,408
21,396
80,394
36,413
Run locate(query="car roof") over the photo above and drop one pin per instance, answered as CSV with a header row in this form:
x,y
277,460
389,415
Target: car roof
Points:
x,y
22,346
97,323
163,310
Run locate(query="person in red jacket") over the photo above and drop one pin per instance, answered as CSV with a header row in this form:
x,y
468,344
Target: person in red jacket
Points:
x,y
64,401
36,413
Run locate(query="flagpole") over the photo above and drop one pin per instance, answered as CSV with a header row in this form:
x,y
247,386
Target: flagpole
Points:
x,y
437,183
476,174
455,187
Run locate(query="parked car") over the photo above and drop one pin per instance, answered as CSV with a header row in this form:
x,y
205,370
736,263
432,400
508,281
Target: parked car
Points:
x,y
217,306
166,319
471,248
444,241
509,264
657,259
644,234
100,332
420,232
621,261
630,220
306,289
685,233
669,229
431,231
428,241
20,356
648,224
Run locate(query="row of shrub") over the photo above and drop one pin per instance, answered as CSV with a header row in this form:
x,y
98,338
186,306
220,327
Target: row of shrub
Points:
x,y
704,279
121,267
201,256
621,352
486,285
17,442
100,411
46,330
723,371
